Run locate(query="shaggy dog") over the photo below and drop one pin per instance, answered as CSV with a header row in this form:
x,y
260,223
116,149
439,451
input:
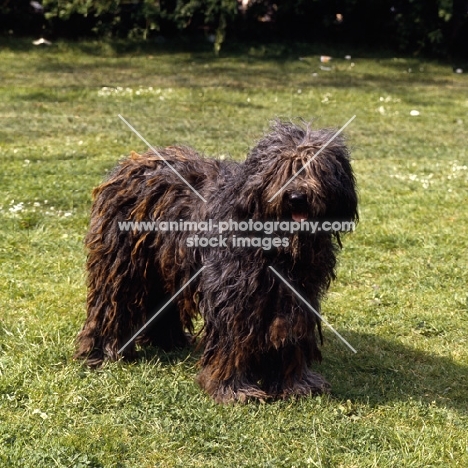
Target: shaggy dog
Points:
x,y
258,338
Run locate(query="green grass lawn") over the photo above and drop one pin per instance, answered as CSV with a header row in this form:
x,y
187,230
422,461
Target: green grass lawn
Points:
x,y
401,297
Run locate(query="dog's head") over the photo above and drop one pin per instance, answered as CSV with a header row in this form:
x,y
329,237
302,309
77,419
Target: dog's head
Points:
x,y
295,173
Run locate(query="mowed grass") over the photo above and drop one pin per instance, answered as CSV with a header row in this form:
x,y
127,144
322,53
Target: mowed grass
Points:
x,y
400,299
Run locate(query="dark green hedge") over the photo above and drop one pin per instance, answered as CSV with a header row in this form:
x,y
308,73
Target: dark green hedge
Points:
x,y
434,26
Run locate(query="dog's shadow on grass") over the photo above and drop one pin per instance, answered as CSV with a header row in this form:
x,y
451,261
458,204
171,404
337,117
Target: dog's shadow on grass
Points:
x,y
385,370
381,371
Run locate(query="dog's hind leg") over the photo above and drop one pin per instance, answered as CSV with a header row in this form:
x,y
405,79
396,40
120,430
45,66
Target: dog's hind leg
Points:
x,y
117,294
115,311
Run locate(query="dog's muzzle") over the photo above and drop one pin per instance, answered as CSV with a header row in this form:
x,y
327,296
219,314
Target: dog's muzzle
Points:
x,y
298,205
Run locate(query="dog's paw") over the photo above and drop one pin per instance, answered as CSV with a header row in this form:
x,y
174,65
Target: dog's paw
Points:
x,y
231,391
231,394
311,383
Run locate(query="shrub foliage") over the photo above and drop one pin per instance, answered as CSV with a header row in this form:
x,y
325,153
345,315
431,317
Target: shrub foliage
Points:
x,y
433,26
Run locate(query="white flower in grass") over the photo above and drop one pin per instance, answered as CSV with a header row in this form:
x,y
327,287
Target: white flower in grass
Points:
x,y
385,99
16,208
66,214
40,413
456,167
104,91
414,113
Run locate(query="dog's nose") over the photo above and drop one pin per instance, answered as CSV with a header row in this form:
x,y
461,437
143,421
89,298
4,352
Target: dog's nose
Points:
x,y
298,197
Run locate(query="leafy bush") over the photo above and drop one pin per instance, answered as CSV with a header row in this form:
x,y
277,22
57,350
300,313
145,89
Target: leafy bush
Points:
x,y
142,18
409,25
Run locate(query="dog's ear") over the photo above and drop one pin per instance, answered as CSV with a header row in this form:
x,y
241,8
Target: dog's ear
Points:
x,y
345,206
